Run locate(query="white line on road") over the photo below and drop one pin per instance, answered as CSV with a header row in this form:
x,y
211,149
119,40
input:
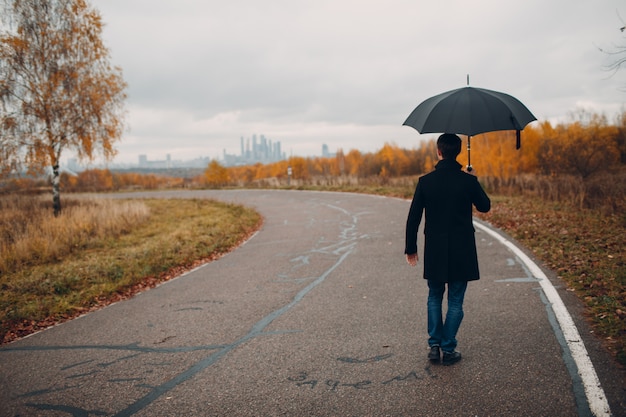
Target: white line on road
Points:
x,y
598,404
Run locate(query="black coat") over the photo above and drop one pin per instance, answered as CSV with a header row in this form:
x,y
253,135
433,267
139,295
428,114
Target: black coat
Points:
x,y
447,195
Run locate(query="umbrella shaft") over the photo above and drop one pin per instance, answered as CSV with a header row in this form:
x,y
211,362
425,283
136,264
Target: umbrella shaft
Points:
x,y
469,164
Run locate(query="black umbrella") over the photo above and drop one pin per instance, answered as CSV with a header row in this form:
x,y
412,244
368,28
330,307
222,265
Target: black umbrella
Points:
x,y
470,111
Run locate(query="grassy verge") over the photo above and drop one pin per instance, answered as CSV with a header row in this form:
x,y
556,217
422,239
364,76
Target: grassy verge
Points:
x,y
176,236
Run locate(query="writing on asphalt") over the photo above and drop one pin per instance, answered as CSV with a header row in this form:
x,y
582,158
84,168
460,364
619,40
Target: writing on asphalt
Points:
x,y
303,379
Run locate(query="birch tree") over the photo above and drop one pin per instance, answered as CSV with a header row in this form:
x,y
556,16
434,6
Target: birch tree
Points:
x,y
58,90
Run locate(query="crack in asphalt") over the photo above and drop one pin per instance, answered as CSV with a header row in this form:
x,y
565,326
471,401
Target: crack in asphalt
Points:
x,y
343,247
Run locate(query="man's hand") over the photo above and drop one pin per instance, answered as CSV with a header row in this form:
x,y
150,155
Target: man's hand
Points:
x,y
412,259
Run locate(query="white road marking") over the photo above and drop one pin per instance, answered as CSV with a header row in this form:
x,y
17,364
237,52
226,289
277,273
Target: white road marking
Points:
x,y
598,404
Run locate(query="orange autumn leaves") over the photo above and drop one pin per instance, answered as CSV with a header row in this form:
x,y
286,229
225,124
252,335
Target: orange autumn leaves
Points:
x,y
588,145
59,92
579,148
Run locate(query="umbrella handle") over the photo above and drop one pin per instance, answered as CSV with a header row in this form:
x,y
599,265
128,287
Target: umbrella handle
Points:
x,y
469,165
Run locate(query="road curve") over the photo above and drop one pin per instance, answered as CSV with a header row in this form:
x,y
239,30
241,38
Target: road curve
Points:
x,y
317,314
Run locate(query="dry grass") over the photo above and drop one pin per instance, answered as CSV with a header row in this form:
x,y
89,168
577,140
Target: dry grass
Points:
x,y
31,235
605,191
114,257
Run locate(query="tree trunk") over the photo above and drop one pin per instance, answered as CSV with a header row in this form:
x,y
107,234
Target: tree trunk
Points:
x,y
56,194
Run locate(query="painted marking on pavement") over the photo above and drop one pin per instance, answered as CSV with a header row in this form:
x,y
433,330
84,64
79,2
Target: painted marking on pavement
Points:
x,y
598,403
256,331
523,279
345,247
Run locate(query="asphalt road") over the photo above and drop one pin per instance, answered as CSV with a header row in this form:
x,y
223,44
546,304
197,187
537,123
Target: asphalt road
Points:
x,y
318,314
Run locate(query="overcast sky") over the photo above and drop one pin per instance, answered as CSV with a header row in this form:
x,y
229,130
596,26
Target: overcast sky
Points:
x,y
345,73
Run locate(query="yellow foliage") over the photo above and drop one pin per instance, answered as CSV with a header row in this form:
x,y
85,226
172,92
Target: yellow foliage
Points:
x,y
58,89
582,148
299,168
353,161
587,145
216,175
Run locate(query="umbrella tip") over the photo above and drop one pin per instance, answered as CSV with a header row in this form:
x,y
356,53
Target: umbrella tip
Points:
x,y
467,79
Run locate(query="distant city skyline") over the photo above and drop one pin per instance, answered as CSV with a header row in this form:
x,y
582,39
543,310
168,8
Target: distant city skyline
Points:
x,y
253,150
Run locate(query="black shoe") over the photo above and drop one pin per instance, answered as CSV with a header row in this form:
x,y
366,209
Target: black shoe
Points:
x,y
451,357
434,355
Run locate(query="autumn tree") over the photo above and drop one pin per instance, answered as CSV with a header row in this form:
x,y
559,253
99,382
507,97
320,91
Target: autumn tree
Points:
x,y
216,175
58,91
299,168
494,154
592,148
339,164
583,148
353,161
393,160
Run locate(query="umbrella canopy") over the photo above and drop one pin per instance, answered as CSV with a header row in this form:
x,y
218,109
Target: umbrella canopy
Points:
x,y
469,111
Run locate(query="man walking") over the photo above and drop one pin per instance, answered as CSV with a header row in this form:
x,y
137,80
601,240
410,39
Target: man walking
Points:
x,y
446,196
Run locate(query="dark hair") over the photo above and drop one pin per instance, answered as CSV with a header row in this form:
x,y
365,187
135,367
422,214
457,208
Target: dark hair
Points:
x,y
449,145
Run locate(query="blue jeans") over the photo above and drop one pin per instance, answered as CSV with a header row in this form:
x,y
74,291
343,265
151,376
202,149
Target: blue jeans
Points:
x,y
442,333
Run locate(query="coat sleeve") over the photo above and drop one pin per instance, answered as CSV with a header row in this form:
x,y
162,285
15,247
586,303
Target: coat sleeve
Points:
x,y
413,221
480,199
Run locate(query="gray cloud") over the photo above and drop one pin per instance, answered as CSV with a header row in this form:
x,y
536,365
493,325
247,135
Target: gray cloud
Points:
x,y
346,73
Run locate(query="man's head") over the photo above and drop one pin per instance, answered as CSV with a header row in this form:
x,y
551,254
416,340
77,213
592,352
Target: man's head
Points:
x,y
449,146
